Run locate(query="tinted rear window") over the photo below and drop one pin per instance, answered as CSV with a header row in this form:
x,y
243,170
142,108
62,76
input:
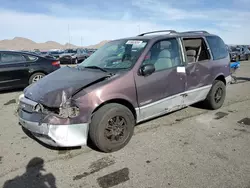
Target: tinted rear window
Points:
x,y
217,47
32,58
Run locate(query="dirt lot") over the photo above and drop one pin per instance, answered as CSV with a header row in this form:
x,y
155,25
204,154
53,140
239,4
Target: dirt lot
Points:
x,y
190,148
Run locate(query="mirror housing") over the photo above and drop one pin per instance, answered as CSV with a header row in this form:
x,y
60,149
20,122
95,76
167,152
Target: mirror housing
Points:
x,y
147,69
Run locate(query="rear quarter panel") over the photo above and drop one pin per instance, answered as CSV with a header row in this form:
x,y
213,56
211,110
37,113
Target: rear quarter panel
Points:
x,y
42,65
220,67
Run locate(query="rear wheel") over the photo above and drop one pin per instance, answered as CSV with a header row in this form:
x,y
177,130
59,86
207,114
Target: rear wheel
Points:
x,y
112,127
35,77
216,95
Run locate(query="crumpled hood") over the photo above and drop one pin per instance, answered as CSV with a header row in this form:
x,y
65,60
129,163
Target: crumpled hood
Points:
x,y
50,90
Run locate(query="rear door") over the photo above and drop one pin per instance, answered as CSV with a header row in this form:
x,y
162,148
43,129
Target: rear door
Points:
x,y
161,91
198,68
14,70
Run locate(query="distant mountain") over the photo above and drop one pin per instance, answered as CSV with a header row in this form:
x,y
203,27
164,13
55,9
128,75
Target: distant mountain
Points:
x,y
99,44
19,43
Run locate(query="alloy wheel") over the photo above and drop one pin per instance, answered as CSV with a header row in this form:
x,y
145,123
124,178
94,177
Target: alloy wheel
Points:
x,y
116,128
37,77
218,95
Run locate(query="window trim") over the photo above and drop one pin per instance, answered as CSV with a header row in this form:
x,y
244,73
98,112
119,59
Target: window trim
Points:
x,y
185,52
11,63
210,49
31,61
164,39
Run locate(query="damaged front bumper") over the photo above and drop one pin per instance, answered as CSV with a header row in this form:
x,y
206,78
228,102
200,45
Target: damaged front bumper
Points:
x,y
65,135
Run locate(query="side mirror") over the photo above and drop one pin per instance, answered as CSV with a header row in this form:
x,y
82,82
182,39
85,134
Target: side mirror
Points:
x,y
147,69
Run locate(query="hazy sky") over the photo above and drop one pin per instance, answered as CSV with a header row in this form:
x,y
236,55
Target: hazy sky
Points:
x,y
96,20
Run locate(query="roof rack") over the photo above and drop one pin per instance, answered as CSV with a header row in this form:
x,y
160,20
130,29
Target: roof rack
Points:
x,y
160,31
198,31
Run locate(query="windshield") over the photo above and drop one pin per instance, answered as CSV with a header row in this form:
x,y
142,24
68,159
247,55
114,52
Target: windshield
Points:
x,y
56,52
116,55
235,49
70,51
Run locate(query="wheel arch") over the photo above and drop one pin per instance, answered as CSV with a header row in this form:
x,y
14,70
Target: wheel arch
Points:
x,y
222,78
121,101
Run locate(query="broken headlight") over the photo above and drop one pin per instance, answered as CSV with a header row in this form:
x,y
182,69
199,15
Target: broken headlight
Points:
x,y
69,112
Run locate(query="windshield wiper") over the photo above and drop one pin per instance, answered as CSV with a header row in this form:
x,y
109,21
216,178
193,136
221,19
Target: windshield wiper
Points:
x,y
95,67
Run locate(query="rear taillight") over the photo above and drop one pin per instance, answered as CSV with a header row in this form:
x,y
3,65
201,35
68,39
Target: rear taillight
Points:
x,y
56,63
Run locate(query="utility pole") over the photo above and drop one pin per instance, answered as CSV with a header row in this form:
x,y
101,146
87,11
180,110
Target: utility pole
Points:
x,y
69,35
139,28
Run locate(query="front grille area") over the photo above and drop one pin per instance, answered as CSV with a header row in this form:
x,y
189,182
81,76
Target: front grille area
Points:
x,y
27,105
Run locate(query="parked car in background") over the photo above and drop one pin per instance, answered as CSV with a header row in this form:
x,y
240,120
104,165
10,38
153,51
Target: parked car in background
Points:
x,y
127,81
238,53
73,56
19,69
91,51
55,54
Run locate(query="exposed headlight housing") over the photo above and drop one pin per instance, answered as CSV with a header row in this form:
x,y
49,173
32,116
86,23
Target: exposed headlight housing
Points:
x,y
69,112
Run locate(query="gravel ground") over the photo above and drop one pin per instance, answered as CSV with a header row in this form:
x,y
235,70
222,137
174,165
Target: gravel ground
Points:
x,y
189,148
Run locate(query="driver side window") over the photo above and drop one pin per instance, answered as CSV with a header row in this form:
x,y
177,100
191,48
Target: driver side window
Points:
x,y
164,54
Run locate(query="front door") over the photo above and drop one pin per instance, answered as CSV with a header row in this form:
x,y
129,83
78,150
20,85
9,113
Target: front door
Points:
x,y
160,92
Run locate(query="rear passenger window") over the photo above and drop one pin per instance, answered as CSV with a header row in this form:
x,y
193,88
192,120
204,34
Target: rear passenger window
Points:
x,y
12,58
217,47
32,58
196,50
164,54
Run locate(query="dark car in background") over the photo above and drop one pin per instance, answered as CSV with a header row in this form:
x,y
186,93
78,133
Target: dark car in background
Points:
x,y
239,53
91,51
73,56
19,69
125,82
55,54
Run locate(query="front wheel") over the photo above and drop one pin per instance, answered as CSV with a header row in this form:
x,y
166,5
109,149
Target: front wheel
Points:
x,y
112,127
216,95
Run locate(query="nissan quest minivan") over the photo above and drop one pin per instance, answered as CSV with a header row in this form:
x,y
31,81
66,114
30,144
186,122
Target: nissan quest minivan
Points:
x,y
125,82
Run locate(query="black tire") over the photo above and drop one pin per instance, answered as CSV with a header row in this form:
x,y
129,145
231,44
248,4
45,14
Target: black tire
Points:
x,y
247,57
98,129
211,102
33,76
